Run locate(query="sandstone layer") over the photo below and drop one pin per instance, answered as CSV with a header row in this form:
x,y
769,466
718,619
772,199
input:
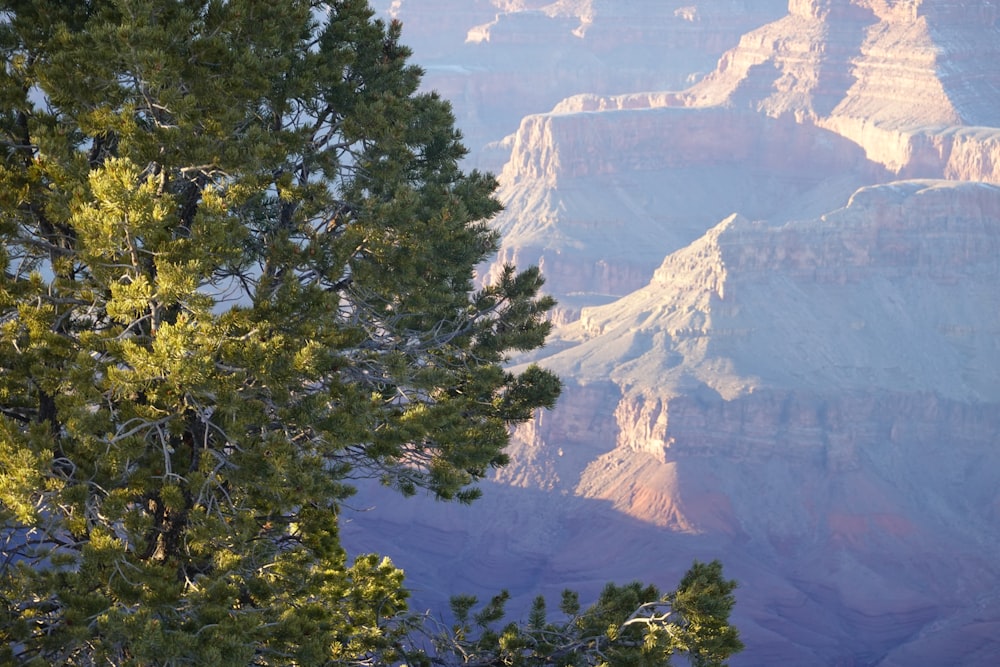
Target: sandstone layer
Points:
x,y
597,200
824,395
891,76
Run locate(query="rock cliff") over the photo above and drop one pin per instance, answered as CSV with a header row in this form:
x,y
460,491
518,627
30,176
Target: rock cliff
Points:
x,y
499,60
780,307
597,199
891,76
801,305
820,393
805,109
814,401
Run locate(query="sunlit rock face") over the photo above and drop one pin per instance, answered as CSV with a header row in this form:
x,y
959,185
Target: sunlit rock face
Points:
x,y
822,394
796,117
891,295
779,312
813,401
892,76
889,63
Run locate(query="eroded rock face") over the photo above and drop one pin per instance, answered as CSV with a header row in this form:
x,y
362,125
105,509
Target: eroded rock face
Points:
x,y
821,394
803,111
806,386
892,63
892,291
891,76
597,200
499,60
812,401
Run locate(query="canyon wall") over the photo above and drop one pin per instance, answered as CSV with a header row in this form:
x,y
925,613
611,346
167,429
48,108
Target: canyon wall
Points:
x,y
500,60
820,395
860,92
779,310
894,77
597,200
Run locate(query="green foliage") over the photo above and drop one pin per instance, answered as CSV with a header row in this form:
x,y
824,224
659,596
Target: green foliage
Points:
x,y
236,274
629,626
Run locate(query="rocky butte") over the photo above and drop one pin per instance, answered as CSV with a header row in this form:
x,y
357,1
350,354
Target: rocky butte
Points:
x,y
779,332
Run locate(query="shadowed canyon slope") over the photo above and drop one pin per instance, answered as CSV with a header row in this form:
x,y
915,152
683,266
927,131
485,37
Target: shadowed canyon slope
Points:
x,y
779,330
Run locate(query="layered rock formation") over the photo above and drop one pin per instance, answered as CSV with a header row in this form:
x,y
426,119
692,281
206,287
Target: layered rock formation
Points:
x,y
597,200
893,77
499,60
780,307
893,295
822,393
815,402
914,85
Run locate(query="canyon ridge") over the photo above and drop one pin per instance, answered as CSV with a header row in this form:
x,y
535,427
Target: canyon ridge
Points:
x,y
773,229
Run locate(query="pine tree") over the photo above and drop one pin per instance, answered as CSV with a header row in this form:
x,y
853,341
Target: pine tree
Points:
x,y
237,260
237,275
629,626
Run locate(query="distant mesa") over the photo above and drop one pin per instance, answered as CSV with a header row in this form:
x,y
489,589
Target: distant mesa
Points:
x,y
500,60
803,111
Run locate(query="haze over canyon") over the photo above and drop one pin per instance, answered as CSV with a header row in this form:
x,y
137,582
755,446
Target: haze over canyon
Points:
x,y
773,229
